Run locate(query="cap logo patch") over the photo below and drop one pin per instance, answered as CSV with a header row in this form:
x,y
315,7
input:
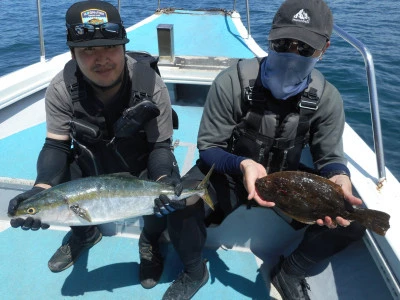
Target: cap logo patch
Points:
x,y
94,16
302,17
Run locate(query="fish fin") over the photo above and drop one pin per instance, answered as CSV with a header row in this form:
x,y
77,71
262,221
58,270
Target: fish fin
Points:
x,y
207,199
375,220
81,212
203,186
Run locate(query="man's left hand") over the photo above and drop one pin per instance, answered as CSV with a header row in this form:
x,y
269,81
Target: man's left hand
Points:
x,y
345,183
163,205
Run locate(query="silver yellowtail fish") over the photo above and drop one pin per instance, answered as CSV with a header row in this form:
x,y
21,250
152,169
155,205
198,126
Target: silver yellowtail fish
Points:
x,y
102,199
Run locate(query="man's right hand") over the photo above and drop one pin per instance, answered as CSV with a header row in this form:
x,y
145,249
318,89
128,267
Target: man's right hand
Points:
x,y
28,223
252,171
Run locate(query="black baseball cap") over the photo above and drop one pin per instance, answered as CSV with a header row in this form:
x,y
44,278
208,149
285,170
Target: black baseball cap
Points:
x,y
309,21
94,24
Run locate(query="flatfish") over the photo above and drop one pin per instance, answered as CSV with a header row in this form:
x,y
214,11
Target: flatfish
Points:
x,y
306,197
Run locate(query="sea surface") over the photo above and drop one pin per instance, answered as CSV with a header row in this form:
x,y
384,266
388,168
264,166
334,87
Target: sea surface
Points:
x,y
375,23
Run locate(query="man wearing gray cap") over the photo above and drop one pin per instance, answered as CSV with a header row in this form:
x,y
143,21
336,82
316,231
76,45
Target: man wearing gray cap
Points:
x,y
258,116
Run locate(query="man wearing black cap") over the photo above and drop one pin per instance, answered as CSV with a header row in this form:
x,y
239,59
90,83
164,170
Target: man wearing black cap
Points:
x,y
258,116
117,113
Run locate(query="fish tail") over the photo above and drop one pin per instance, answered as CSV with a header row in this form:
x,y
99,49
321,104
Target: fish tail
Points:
x,y
203,186
374,220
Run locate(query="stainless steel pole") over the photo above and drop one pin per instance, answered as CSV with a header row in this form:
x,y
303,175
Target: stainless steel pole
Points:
x,y
41,39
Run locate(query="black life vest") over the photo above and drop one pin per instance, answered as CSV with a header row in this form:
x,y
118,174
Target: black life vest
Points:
x,y
96,149
273,132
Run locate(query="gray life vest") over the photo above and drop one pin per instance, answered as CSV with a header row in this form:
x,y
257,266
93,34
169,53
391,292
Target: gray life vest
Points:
x,y
273,132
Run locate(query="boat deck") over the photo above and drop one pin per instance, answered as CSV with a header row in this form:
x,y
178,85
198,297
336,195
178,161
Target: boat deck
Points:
x,y
203,48
192,27
110,269
239,258
240,252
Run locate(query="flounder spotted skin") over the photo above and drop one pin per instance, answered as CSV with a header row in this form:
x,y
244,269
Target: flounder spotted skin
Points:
x,y
306,197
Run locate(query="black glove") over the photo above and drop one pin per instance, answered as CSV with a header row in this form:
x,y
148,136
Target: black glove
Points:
x,y
28,223
134,118
163,205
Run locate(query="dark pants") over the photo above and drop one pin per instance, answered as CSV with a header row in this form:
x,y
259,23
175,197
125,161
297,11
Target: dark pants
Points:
x,y
188,227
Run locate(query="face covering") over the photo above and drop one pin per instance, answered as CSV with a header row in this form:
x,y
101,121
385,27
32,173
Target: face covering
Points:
x,y
286,74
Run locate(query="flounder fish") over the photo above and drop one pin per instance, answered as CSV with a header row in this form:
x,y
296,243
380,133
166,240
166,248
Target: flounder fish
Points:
x,y
306,197
102,199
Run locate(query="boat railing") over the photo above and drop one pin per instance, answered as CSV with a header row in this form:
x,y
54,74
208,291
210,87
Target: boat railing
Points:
x,y
373,99
40,26
247,15
371,81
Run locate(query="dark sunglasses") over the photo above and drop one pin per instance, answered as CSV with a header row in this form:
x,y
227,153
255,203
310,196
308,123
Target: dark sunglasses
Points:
x,y
283,45
85,32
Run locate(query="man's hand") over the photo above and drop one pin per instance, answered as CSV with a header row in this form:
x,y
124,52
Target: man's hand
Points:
x,y
345,183
163,205
174,181
28,223
251,172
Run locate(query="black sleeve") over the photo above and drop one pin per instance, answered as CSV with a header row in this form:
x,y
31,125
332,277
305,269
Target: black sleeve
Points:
x,y
53,162
162,161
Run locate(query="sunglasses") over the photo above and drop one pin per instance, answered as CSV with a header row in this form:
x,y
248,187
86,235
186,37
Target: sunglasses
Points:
x,y
85,32
283,45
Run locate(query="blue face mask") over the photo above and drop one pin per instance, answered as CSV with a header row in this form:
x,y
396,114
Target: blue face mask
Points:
x,y
286,74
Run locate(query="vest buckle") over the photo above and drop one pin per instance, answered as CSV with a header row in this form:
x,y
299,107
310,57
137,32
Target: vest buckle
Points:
x,y
248,93
308,104
309,100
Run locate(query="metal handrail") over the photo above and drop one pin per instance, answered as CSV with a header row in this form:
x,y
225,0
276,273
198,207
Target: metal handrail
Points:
x,y
248,18
40,25
373,98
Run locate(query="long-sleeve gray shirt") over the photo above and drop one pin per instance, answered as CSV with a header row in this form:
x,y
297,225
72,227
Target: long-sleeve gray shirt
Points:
x,y
223,111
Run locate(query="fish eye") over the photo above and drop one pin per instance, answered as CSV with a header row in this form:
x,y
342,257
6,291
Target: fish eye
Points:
x,y
31,210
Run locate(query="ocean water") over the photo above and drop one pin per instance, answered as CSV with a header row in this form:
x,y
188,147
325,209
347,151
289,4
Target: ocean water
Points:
x,y
375,23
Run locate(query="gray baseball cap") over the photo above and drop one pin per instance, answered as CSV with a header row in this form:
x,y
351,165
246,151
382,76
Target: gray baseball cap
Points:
x,y
309,21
